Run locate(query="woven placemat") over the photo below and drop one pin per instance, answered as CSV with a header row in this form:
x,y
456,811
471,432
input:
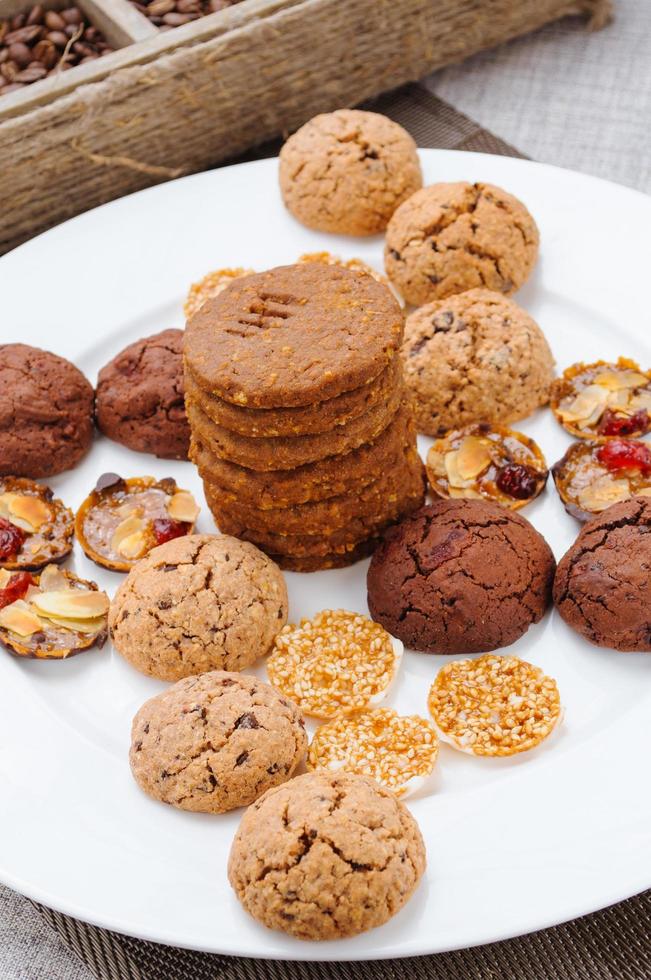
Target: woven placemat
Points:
x,y
610,945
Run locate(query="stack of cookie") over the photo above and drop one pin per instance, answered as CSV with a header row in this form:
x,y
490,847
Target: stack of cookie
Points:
x,y
301,426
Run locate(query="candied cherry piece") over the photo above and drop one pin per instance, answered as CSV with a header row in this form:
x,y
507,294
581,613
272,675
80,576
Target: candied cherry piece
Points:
x,y
625,454
165,529
517,480
12,539
623,425
15,588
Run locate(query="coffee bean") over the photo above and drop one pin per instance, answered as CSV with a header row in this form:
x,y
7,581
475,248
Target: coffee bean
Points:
x,y
72,15
25,35
160,7
46,53
36,15
58,38
20,53
18,21
32,74
165,14
188,7
9,70
54,21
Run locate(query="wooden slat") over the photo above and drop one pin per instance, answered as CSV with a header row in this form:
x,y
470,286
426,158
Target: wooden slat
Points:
x,y
119,21
211,26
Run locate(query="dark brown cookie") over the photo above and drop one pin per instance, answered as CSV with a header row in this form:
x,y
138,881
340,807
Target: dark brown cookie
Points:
x,y
602,587
141,397
289,452
295,335
46,412
460,576
300,421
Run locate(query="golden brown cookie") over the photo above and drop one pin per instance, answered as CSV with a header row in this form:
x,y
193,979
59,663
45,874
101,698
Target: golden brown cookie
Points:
x,y
593,476
326,856
35,527
347,171
603,400
305,420
198,603
476,357
295,335
447,238
325,478
289,452
215,742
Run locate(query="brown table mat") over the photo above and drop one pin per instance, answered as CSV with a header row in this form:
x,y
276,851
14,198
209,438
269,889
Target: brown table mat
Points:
x,y
610,945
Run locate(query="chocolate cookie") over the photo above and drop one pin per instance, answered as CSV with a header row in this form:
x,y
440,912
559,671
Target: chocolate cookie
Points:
x,y
296,335
448,238
460,576
307,420
325,478
347,171
140,399
198,603
602,587
325,856
477,357
215,742
289,452
46,412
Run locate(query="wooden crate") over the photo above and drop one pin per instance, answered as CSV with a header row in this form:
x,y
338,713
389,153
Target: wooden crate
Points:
x,y
169,103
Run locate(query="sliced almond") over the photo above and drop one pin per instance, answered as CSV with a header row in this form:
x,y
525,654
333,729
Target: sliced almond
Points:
x,y
4,577
86,626
585,406
52,579
72,604
452,470
436,462
621,379
130,508
472,458
134,546
645,492
602,493
19,618
33,511
642,400
183,507
130,525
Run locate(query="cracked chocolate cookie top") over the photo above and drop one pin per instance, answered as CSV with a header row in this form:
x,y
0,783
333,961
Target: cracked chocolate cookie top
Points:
x,y
215,742
294,335
325,856
476,357
198,603
347,171
460,576
603,587
140,397
46,412
447,238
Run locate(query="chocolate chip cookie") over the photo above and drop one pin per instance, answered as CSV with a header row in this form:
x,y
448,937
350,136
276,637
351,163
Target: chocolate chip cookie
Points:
x,y
477,357
325,856
460,576
140,398
215,742
602,587
198,603
448,238
46,412
347,171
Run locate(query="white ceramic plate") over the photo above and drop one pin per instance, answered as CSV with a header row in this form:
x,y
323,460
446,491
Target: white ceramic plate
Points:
x,y
513,845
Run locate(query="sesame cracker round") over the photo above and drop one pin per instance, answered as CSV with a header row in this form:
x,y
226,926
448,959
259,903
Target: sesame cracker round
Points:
x,y
495,706
335,663
398,751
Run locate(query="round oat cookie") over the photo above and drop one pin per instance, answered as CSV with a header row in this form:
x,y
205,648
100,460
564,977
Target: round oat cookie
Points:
x,y
293,336
347,171
198,603
460,576
288,452
140,399
46,412
326,856
602,587
477,357
301,421
448,238
325,478
215,742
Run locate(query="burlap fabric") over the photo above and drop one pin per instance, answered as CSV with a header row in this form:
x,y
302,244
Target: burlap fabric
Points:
x,y
610,945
